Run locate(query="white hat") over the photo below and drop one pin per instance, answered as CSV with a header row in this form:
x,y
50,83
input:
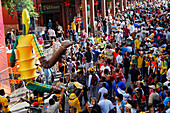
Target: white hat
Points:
x,y
152,86
168,77
128,106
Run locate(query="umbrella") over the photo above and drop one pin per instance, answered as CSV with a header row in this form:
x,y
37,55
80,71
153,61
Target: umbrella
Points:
x,y
137,25
159,28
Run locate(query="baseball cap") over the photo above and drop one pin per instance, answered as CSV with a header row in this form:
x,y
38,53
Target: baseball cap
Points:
x,y
35,104
152,86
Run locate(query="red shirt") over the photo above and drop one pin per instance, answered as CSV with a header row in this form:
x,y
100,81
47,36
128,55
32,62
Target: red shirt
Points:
x,y
119,75
127,31
115,55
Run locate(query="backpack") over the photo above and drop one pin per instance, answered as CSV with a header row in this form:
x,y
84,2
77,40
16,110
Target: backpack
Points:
x,y
94,80
156,100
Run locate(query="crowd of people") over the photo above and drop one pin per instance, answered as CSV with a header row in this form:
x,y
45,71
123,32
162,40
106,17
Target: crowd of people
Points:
x,y
123,67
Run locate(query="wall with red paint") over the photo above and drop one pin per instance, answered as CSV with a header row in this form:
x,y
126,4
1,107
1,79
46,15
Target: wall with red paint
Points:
x,y
7,18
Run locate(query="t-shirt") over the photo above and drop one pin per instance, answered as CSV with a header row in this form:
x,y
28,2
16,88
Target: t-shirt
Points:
x,y
53,108
168,110
120,84
95,55
151,96
140,62
103,68
123,50
105,105
102,91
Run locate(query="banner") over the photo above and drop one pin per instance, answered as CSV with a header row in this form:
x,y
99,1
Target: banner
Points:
x,y
4,75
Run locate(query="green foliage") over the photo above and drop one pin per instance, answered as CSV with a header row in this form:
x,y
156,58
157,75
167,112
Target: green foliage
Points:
x,y
19,5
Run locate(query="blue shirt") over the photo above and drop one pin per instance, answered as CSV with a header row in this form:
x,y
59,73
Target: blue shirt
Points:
x,y
123,50
120,84
95,55
163,95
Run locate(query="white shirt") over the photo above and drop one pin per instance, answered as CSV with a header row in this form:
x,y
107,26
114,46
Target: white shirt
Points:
x,y
102,91
53,108
119,59
105,105
132,28
103,68
51,32
126,96
118,108
168,110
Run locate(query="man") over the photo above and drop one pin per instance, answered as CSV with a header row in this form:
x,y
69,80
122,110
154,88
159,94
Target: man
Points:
x,y
127,31
137,44
153,95
95,55
104,67
82,79
4,101
89,57
51,33
75,36
124,48
93,80
140,61
163,69
134,73
119,83
50,24
53,107
101,91
83,38
91,38
128,108
47,74
105,104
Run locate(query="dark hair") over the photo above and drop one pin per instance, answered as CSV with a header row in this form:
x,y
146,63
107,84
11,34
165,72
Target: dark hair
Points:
x,y
129,90
35,93
51,101
106,71
74,108
55,98
120,96
104,84
117,70
105,95
2,92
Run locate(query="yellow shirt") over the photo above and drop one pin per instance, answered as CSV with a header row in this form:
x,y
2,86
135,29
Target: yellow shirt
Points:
x,y
146,63
4,102
140,62
137,44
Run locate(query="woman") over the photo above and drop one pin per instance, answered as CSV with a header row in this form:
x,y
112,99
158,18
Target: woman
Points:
x,y
141,100
126,61
120,104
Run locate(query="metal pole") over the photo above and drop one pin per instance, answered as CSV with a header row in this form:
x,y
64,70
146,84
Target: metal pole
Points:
x,y
64,68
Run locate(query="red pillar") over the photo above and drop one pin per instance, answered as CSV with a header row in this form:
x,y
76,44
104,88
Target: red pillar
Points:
x,y
92,15
103,6
125,4
113,9
121,5
84,11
